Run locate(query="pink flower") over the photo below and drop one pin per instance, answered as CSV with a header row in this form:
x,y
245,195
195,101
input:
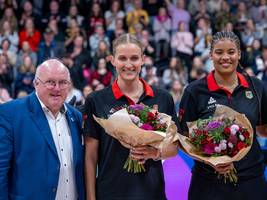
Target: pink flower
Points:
x,y
209,148
147,127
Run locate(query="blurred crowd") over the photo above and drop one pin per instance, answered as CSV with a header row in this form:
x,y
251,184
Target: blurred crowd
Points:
x,y
175,36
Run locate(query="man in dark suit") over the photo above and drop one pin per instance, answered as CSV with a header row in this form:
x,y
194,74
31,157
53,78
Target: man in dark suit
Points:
x,y
41,151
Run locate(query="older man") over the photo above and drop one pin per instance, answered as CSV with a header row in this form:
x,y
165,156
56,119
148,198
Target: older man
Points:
x,y
41,152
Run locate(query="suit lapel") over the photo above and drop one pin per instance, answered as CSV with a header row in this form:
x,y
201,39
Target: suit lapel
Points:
x,y
72,122
39,118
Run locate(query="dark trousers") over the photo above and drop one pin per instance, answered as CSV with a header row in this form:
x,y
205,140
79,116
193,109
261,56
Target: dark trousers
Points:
x,y
205,189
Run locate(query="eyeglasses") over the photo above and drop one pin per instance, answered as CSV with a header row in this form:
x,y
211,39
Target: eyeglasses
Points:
x,y
50,84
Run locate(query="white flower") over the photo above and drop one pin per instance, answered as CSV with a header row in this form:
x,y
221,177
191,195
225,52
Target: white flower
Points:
x,y
223,146
223,141
217,149
230,145
140,124
134,119
241,137
234,128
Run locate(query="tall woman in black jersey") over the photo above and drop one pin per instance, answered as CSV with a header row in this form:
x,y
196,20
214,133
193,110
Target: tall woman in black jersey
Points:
x,y
244,94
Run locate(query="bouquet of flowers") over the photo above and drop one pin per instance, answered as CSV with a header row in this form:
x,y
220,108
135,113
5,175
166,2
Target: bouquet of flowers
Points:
x,y
139,125
226,137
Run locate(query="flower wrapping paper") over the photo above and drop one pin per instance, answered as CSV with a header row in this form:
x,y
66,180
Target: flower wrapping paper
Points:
x,y
220,111
120,126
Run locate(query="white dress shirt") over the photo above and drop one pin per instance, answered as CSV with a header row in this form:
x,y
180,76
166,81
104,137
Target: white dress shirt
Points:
x,y
66,188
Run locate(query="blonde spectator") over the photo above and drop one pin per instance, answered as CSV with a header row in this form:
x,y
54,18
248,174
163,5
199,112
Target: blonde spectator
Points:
x,y
10,16
182,43
25,76
72,32
203,32
137,16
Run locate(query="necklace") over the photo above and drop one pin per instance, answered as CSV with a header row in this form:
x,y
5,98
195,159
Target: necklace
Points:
x,y
231,84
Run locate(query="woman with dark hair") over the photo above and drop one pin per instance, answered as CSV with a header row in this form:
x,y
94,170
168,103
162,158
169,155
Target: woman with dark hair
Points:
x,y
246,95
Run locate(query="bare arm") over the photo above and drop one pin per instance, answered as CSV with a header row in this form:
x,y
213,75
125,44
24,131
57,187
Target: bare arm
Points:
x,y
262,130
91,159
168,2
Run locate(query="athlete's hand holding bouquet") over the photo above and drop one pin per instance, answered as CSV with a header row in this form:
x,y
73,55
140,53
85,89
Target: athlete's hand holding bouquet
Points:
x,y
220,140
140,125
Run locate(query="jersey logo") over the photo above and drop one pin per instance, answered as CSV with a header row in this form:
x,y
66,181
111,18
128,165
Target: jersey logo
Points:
x,y
249,94
211,101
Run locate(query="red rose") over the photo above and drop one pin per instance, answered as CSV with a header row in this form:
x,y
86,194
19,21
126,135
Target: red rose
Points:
x,y
246,134
227,130
240,145
150,116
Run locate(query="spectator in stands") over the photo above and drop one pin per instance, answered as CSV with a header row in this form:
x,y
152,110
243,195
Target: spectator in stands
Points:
x,y
182,44
152,7
175,71
4,95
96,38
96,18
103,51
49,47
9,16
203,32
162,28
178,13
202,11
6,32
214,6
58,33
198,69
77,59
5,49
27,12
137,16
151,77
30,34
74,13
252,55
53,13
119,28
72,32
25,76
6,73
223,16
111,16
87,89
261,63
249,34
101,75
176,92
242,16
26,51
75,92
147,43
